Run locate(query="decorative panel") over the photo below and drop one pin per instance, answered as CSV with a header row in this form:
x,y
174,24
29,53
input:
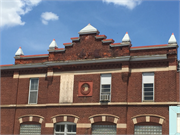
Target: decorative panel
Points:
x,y
85,89
66,88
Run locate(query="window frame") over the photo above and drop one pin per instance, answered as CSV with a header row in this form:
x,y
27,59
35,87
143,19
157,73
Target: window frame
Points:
x,y
33,90
143,100
145,127
33,124
178,122
105,84
65,127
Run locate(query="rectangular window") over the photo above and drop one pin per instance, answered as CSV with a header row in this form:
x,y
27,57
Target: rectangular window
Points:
x,y
33,90
148,86
147,130
178,122
65,128
30,129
105,92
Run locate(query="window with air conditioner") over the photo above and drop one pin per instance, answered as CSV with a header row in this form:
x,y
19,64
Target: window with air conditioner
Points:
x,y
65,128
105,88
33,90
148,87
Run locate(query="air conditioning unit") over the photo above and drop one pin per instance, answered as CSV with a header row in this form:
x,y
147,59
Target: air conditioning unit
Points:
x,y
105,97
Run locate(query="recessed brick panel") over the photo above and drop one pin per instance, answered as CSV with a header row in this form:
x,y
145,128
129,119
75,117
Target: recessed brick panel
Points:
x,y
59,119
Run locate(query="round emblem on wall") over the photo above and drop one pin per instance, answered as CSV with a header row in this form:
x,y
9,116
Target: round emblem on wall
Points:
x,y
85,89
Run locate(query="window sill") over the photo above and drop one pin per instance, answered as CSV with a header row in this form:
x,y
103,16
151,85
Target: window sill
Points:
x,y
148,101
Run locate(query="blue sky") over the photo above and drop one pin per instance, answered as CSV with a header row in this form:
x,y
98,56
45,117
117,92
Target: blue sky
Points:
x,y
33,24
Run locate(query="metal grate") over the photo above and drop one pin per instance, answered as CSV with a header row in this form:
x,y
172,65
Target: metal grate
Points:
x,y
26,129
104,130
148,130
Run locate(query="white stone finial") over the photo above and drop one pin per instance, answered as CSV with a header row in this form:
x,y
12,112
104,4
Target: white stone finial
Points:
x,y
126,38
89,29
53,45
19,52
172,39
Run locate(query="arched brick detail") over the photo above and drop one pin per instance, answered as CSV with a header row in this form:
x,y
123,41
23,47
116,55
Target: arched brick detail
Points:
x,y
148,118
103,118
65,117
31,118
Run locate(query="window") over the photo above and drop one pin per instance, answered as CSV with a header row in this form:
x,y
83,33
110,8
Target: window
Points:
x,y
65,128
30,129
33,90
104,129
148,86
105,87
178,122
147,130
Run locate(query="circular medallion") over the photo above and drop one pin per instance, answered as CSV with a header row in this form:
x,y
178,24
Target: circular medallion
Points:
x,y
85,89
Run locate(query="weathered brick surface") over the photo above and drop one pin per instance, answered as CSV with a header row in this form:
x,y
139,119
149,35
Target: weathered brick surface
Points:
x,y
135,87
125,87
95,78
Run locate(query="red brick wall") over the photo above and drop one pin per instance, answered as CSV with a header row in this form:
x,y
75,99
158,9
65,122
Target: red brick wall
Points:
x,y
123,84
158,110
148,52
8,90
7,120
95,78
177,86
84,112
135,87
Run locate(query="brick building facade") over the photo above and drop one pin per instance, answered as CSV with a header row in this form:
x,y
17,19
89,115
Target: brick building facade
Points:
x,y
91,86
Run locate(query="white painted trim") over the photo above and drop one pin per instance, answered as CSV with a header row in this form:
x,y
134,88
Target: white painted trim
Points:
x,y
92,120
33,90
32,76
83,125
65,118
75,120
31,118
115,120
103,118
50,73
134,120
105,71
40,120
49,125
153,69
147,83
54,120
121,125
161,121
147,118
20,120
16,76
90,104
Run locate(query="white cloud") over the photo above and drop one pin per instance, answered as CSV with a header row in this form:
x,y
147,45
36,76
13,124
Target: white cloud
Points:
x,y
12,10
47,16
127,3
